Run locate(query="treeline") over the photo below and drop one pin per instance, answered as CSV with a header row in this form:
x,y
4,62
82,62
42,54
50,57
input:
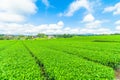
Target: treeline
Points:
x,y
44,36
64,35
38,36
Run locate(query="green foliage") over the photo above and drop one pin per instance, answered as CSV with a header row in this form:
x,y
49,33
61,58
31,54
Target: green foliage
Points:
x,y
105,51
63,65
64,35
1,37
41,35
76,58
17,64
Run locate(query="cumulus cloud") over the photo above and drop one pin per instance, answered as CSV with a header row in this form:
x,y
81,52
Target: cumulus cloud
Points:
x,y
115,9
90,21
15,28
95,31
117,22
58,28
11,17
93,24
76,5
88,18
60,23
16,10
118,28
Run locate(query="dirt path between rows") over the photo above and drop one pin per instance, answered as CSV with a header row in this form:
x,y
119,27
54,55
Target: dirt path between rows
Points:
x,y
117,74
40,64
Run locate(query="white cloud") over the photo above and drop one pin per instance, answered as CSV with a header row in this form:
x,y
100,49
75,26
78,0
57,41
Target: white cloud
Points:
x,y
46,3
90,21
96,31
103,31
11,17
16,10
18,6
93,24
58,28
117,22
118,28
69,30
76,5
109,9
14,28
115,9
88,18
60,23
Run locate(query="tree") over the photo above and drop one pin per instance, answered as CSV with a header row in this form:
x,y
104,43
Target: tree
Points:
x,y
41,35
64,36
1,36
67,35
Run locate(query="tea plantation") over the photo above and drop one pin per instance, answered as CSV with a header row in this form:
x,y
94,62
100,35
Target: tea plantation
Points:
x,y
76,58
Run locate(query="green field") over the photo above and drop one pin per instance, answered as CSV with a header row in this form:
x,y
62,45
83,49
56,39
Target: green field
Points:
x,y
76,58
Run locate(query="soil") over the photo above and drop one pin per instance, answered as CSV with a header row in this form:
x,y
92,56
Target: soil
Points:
x,y
117,74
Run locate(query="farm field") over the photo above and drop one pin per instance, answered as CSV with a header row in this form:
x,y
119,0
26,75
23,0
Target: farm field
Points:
x,y
76,58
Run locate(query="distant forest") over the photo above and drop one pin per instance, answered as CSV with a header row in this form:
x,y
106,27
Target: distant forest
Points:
x,y
44,36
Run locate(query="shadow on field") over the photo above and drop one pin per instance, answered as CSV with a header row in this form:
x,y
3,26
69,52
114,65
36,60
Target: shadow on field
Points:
x,y
104,41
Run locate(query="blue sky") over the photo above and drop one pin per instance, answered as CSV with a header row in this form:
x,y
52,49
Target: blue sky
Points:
x,y
59,16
